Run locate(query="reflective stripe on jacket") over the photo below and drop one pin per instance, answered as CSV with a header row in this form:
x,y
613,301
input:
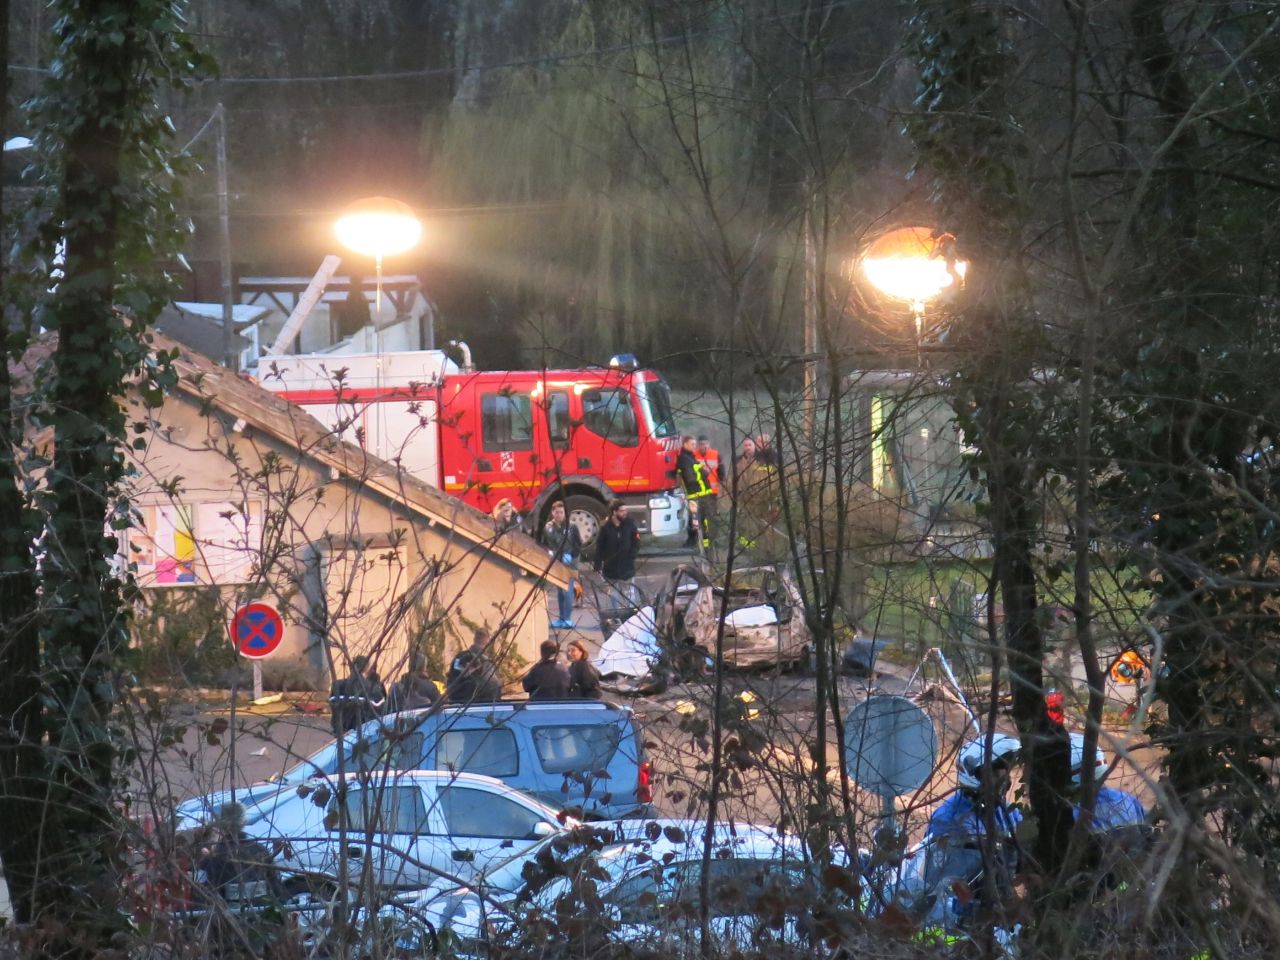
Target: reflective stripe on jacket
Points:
x,y
715,472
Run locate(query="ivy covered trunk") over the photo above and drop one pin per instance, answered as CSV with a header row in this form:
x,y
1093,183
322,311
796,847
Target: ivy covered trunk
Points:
x,y
107,183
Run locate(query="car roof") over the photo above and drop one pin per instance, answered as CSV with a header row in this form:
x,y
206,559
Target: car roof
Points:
x,y
426,776
515,708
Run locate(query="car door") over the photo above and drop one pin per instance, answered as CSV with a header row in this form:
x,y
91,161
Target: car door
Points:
x,y
485,825
294,826
505,467
608,442
388,832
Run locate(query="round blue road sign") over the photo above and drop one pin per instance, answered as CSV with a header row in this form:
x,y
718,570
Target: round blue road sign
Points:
x,y
256,630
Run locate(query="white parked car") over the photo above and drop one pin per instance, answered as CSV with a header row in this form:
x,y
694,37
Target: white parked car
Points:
x,y
401,830
761,887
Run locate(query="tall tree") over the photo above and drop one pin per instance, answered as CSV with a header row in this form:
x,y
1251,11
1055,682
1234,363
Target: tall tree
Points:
x,y
973,159
108,181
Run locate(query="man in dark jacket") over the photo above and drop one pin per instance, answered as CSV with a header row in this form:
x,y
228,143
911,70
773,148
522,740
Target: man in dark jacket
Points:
x,y
547,680
415,689
356,698
700,493
618,548
565,543
475,681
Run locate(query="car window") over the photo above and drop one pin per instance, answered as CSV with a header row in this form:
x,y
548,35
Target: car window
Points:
x,y
388,752
608,413
490,750
558,421
637,896
477,813
506,421
579,748
385,808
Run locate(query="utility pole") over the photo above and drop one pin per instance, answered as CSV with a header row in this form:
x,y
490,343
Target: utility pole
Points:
x,y
229,358
810,328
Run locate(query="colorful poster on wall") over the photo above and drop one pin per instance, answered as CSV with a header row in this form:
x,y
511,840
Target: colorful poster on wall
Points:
x,y
165,545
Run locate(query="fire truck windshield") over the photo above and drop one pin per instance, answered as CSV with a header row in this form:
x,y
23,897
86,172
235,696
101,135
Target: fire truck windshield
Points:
x,y
655,396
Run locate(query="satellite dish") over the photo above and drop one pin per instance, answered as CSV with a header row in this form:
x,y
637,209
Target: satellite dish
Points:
x,y
890,746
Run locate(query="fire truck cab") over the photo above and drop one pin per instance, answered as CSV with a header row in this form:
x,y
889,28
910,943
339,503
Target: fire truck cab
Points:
x,y
531,436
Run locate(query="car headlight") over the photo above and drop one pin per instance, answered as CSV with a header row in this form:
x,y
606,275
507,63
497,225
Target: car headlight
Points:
x,y
659,503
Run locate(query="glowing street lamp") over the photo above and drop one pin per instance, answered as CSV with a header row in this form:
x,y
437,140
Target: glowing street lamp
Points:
x,y
911,264
378,227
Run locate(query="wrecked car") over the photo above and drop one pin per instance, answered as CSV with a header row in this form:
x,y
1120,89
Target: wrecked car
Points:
x,y
676,636
764,621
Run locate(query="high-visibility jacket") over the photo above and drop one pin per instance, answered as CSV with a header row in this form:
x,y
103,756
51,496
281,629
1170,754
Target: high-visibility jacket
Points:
x,y
693,473
715,468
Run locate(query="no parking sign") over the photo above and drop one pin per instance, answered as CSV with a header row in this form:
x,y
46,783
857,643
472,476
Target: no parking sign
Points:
x,y
256,630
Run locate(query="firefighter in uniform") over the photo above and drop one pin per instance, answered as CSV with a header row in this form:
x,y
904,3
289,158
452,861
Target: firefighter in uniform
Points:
x,y
698,491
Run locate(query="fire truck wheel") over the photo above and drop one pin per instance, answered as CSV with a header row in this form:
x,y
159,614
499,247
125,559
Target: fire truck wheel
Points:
x,y
586,513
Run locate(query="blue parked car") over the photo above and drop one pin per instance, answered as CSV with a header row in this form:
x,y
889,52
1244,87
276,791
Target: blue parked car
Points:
x,y
583,756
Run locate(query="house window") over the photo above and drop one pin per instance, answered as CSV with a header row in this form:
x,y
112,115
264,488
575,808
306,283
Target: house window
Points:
x,y
506,421
229,537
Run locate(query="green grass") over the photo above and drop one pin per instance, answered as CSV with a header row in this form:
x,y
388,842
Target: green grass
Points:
x,y
930,604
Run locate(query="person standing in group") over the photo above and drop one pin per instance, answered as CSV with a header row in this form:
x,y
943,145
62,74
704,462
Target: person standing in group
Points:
x,y
617,550
356,698
415,689
584,678
698,491
710,458
473,676
565,543
476,680
546,679
479,650
504,515
713,469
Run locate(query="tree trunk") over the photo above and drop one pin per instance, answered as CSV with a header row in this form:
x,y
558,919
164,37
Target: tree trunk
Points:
x,y
21,734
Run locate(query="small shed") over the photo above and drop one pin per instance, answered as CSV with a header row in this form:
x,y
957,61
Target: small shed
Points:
x,y
241,491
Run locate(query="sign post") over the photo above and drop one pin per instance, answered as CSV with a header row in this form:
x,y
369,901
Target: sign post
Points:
x,y
256,630
890,748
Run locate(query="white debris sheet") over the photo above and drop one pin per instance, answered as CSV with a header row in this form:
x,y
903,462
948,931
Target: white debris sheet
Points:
x,y
759,616
632,649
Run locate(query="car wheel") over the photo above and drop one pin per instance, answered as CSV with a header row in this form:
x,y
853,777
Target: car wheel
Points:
x,y
587,514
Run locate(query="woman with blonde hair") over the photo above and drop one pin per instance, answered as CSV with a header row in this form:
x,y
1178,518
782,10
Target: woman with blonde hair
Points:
x,y
504,515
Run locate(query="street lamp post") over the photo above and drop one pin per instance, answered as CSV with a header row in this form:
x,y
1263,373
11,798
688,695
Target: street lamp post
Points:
x,y
911,264
378,227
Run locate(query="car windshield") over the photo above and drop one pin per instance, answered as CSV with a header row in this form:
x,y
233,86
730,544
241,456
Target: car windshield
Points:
x,y
324,760
655,397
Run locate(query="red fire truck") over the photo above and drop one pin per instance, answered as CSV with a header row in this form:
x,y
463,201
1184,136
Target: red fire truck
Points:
x,y
531,436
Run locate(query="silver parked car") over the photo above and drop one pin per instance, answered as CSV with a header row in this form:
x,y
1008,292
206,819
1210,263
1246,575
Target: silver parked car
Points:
x,y
399,830
761,887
